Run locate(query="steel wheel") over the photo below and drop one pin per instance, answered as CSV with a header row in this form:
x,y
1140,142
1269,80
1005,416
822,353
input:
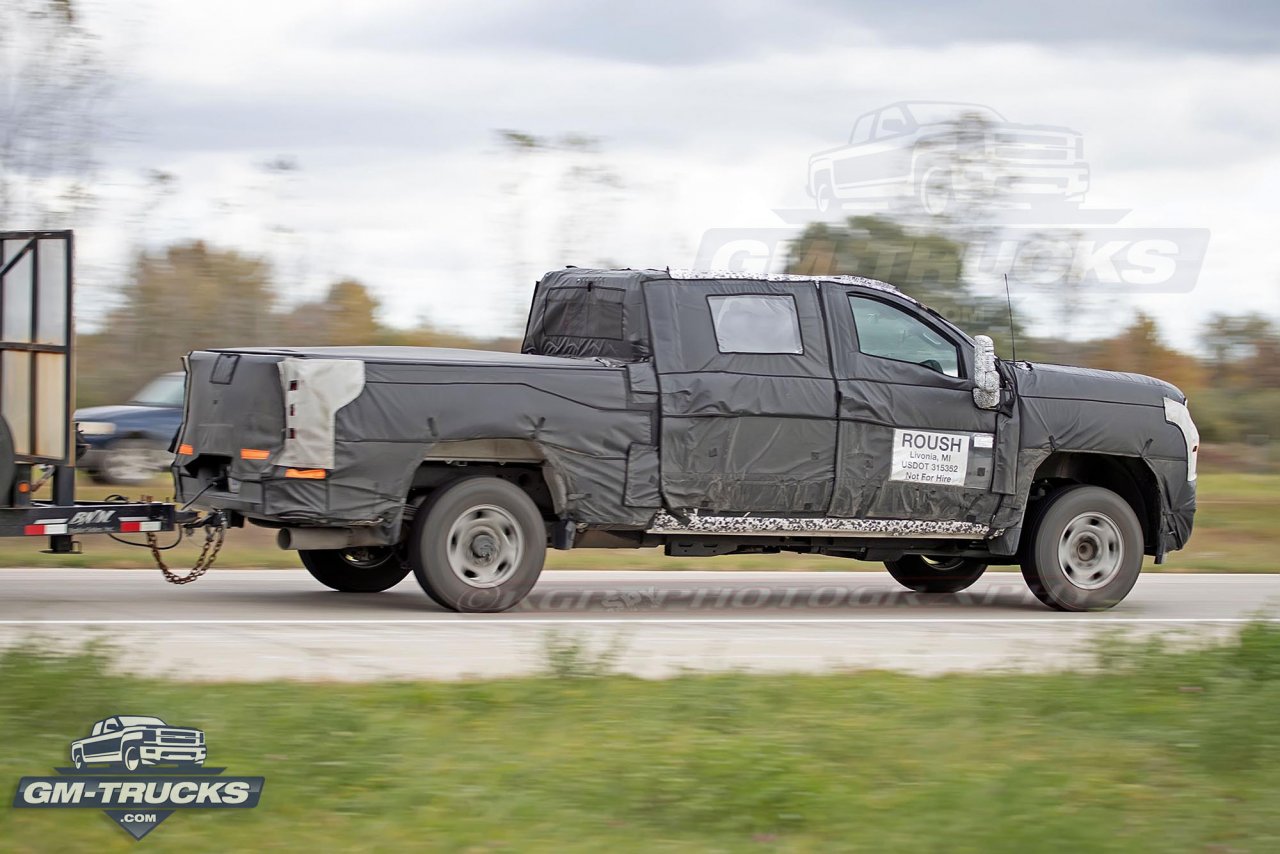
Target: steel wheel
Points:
x,y
1082,549
1091,550
485,546
478,545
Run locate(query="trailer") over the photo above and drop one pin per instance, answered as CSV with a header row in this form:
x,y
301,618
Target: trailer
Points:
x,y
38,439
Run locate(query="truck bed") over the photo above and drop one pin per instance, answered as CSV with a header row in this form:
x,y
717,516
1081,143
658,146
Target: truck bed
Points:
x,y
334,436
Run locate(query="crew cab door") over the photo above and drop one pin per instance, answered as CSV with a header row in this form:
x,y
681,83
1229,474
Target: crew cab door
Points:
x,y
747,396
911,442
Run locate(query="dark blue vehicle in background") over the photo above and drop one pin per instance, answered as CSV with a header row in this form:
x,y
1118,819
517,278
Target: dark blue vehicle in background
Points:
x,y
129,444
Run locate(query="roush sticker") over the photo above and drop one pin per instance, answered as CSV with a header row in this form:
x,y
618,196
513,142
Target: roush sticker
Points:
x,y
922,456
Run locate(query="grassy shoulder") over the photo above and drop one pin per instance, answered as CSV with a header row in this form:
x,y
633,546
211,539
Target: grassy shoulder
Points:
x,y
1234,533
1154,751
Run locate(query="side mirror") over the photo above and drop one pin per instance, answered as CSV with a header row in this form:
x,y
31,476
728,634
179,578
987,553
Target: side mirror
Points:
x,y
986,389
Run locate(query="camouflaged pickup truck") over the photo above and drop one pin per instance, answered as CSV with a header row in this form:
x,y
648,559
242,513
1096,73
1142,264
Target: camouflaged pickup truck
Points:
x,y
706,414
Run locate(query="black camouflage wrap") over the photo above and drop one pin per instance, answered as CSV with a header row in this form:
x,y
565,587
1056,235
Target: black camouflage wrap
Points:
x,y
622,388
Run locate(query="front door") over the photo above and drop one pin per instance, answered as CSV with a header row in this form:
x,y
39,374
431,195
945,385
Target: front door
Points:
x,y
912,445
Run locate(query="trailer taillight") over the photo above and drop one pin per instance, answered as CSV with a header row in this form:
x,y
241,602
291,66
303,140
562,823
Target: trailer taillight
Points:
x,y
253,454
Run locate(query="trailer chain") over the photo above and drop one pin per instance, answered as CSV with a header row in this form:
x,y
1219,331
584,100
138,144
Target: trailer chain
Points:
x,y
215,532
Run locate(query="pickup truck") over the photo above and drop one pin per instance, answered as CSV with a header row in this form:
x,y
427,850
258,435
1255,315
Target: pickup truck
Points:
x,y
705,413
927,151
135,740
129,444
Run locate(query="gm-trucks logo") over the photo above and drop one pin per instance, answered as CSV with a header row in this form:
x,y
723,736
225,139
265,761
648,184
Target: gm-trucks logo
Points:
x,y
139,771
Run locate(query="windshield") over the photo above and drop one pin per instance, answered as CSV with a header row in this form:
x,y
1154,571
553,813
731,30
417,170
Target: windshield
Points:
x,y
139,720
162,391
933,114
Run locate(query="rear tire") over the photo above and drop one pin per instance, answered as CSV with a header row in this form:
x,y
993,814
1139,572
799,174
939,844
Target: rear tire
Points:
x,y
1085,550
362,570
935,574
478,545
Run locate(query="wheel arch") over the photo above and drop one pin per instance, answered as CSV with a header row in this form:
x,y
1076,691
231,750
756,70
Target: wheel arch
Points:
x,y
519,461
1129,477
818,171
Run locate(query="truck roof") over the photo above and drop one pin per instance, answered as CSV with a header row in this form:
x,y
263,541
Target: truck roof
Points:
x,y
601,313
722,275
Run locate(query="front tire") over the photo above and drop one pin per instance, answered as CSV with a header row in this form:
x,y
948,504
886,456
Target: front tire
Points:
x,y
478,545
359,570
1085,551
132,758
936,191
935,574
824,195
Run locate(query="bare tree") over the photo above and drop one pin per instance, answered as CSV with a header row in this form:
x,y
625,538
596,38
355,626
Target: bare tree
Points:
x,y
53,88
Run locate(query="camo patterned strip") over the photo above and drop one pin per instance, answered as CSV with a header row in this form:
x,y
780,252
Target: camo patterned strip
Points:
x,y
665,523
862,281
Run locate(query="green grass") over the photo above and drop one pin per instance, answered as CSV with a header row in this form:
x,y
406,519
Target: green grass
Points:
x,y
1235,532
1155,751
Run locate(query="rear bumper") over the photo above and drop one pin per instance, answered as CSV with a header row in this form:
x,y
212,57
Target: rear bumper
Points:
x,y
275,500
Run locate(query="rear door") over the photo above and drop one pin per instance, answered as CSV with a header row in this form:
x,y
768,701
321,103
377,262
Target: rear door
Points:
x,y
911,443
747,396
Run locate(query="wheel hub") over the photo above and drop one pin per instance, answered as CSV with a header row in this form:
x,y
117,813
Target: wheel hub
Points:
x,y
1091,550
485,545
484,548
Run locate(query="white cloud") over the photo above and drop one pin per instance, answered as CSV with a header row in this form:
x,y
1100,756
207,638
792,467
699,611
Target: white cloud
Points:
x,y
402,185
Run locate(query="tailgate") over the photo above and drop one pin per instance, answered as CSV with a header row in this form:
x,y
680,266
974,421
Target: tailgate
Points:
x,y
252,418
234,414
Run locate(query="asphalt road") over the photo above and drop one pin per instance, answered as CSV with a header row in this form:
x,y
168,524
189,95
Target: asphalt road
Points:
x,y
271,624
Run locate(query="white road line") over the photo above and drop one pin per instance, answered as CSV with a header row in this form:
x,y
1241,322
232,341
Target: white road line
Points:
x,y
665,621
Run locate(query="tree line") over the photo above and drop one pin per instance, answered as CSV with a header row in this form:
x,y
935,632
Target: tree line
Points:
x,y
192,296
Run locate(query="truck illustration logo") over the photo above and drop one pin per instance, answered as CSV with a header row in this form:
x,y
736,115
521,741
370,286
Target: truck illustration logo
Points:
x,y
932,153
134,741
138,770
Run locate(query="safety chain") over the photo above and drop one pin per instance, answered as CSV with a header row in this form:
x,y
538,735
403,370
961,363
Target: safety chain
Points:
x,y
215,531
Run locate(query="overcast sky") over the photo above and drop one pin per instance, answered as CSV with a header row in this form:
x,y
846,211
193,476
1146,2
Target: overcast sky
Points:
x,y
708,112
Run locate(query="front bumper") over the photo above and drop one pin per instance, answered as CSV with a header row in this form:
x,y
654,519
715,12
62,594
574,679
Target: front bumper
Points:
x,y
173,753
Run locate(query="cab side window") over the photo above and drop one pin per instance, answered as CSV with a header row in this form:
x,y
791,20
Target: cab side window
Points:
x,y
756,323
888,332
